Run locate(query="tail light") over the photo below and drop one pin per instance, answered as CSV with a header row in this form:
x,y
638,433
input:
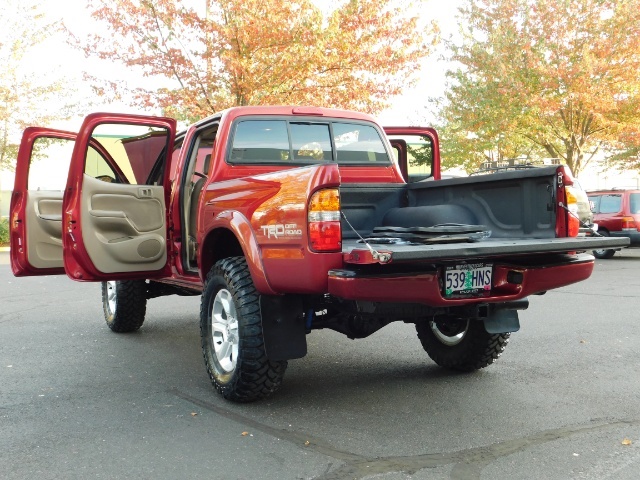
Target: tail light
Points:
x,y
325,232
573,221
628,223
567,220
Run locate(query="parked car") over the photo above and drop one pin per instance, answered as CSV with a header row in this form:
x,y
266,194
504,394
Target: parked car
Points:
x,y
617,213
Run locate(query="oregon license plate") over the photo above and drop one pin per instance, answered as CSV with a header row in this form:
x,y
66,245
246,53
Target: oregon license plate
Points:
x,y
467,279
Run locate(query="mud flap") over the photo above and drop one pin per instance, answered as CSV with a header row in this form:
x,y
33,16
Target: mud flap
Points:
x,y
283,327
502,321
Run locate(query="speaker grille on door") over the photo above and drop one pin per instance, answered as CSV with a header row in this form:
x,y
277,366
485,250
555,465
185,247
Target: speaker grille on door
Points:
x,y
149,248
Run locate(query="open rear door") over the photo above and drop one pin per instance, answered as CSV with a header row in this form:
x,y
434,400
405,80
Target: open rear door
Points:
x,y
36,201
418,152
115,224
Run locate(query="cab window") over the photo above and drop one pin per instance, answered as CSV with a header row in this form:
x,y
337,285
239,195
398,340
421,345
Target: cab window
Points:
x,y
136,152
260,141
50,160
419,155
311,143
358,144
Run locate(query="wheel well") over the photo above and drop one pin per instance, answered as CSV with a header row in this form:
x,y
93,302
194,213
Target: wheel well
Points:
x,y
220,243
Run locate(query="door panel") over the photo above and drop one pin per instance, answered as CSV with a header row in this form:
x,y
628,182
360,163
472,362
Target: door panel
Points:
x,y
123,227
44,232
36,201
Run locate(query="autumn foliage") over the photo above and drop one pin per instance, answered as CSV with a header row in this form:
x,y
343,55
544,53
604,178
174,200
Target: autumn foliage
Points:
x,y
545,78
259,52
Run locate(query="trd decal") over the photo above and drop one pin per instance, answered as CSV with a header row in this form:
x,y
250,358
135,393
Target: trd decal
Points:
x,y
279,230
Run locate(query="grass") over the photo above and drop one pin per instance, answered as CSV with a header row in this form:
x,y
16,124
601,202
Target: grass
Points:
x,y
4,232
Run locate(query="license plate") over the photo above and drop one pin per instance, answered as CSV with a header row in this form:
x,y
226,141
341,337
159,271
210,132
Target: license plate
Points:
x,y
471,279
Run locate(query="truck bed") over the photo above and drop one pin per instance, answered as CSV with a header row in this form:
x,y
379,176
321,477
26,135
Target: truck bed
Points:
x,y
512,205
516,211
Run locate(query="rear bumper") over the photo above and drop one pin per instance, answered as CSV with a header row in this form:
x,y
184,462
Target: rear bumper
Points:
x,y
426,287
632,235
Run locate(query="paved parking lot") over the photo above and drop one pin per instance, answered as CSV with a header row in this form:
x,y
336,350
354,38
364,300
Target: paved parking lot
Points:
x,y
77,401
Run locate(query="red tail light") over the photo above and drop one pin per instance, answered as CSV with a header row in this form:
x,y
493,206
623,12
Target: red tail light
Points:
x,y
573,227
628,223
567,221
325,231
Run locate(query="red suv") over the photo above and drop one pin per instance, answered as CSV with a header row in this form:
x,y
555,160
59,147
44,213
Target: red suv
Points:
x,y
617,213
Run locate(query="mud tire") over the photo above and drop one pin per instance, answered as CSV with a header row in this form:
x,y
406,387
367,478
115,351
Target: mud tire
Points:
x,y
124,304
239,369
463,346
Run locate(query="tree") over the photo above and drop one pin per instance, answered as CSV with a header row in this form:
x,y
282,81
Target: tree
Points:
x,y
25,97
258,52
554,78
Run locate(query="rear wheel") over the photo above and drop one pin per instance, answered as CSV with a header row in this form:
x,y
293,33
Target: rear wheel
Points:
x,y
603,254
460,343
124,304
231,335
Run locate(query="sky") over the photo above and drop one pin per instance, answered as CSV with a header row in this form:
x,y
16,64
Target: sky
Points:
x,y
56,55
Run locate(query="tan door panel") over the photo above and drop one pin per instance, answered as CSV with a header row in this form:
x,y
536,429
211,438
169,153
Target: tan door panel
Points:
x,y
44,228
123,226
147,216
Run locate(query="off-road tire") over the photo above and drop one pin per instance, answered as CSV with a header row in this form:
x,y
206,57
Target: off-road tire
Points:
x,y
249,375
124,304
603,254
475,349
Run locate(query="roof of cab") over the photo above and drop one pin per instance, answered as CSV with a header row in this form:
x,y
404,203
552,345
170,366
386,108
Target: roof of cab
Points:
x,y
303,111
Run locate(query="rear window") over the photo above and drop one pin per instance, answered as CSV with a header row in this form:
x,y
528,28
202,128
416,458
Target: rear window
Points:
x,y
260,142
311,143
356,143
306,142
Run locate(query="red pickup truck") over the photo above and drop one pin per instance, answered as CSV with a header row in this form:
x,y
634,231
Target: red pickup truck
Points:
x,y
290,219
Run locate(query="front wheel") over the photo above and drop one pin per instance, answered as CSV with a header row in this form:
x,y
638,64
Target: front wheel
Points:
x,y
124,304
603,253
231,335
461,343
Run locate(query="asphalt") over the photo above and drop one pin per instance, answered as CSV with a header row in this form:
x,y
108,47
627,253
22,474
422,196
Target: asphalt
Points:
x,y
78,401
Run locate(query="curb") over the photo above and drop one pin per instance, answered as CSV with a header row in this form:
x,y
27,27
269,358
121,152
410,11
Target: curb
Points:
x,y
4,249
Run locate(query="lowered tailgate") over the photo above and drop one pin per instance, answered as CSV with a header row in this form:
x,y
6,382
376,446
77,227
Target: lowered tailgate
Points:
x,y
357,252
